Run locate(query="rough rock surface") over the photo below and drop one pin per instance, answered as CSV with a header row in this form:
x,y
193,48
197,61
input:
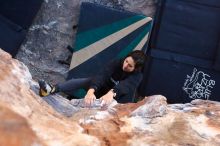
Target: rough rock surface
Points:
x,y
52,32
59,122
51,127
14,130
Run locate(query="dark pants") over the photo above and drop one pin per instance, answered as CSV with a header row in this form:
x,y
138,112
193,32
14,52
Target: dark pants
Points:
x,y
72,85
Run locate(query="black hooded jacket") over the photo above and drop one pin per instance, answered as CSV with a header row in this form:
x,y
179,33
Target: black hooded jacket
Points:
x,y
113,77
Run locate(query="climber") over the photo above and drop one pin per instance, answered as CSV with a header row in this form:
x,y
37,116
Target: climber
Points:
x,y
118,80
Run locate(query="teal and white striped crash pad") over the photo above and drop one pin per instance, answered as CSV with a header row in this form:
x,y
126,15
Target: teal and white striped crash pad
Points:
x,y
103,34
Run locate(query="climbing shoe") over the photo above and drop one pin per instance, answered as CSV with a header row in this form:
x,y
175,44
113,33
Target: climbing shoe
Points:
x,y
46,88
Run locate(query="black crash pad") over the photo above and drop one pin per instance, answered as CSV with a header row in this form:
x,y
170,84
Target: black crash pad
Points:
x,y
11,36
185,51
21,12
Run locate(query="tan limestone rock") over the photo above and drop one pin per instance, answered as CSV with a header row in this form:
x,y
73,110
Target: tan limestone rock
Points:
x,y
15,131
56,121
51,127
